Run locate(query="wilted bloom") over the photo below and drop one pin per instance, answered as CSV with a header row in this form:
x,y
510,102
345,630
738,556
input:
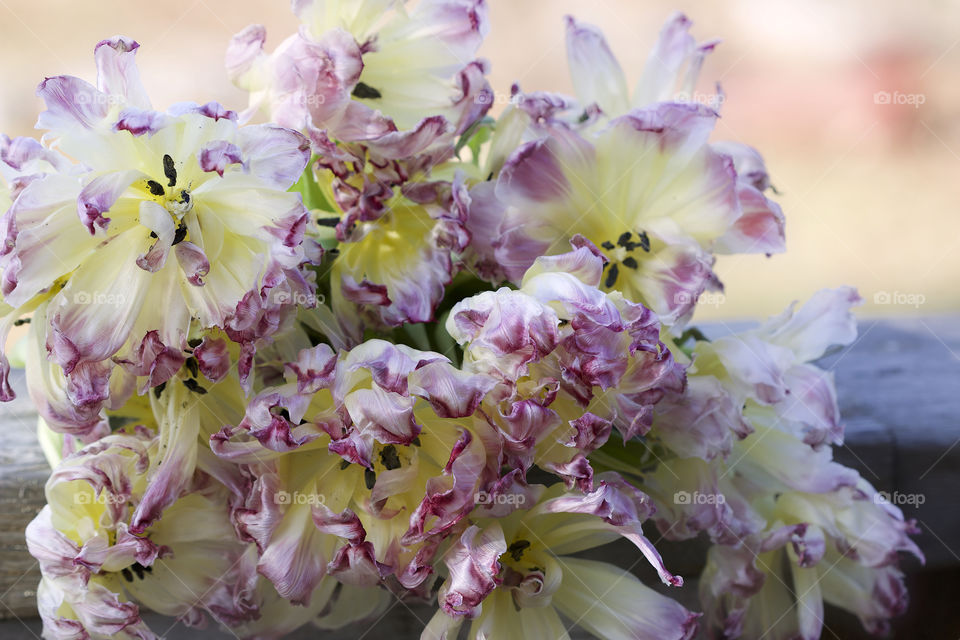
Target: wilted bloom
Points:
x,y
22,160
756,419
643,184
573,362
394,269
511,578
279,385
361,71
755,471
94,565
179,217
771,366
360,464
839,547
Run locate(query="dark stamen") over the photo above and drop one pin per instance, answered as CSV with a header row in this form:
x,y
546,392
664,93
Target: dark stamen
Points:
x,y
416,441
606,244
185,196
612,276
194,386
328,222
644,241
180,234
624,238
155,188
630,261
517,548
344,464
369,478
126,574
389,457
21,322
193,366
138,570
157,390
170,171
365,92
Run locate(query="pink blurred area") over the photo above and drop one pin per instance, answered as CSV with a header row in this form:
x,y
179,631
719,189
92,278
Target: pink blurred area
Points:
x,y
853,104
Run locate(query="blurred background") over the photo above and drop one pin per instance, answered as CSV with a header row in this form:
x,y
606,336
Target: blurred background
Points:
x,y
852,103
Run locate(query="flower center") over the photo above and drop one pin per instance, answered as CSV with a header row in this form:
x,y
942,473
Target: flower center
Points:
x,y
619,254
135,568
176,200
387,457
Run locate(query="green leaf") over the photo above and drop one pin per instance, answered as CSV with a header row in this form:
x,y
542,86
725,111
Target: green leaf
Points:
x,y
310,191
475,136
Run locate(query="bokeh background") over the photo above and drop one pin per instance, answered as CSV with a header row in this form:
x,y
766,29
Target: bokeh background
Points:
x,y
854,104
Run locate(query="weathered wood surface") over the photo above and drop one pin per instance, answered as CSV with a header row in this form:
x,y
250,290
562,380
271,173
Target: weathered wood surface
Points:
x,y
23,472
899,388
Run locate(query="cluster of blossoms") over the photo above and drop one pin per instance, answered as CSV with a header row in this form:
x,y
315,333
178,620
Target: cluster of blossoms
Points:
x,y
388,347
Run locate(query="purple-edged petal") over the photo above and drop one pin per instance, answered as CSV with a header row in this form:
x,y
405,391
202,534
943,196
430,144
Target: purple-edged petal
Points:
x,y
623,508
597,77
218,155
100,194
505,330
673,64
453,393
295,558
314,368
356,564
141,121
213,358
154,360
473,565
276,155
193,262
71,102
117,72
243,53
364,292
760,229
702,422
825,320
158,220
404,144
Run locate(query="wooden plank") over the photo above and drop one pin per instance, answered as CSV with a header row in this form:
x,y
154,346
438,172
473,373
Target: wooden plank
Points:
x,y
23,472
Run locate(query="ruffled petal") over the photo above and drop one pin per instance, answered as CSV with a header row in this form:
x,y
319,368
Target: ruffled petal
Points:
x,y
597,76
117,72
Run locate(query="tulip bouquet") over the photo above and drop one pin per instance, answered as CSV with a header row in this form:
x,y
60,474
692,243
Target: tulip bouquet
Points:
x,y
382,346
